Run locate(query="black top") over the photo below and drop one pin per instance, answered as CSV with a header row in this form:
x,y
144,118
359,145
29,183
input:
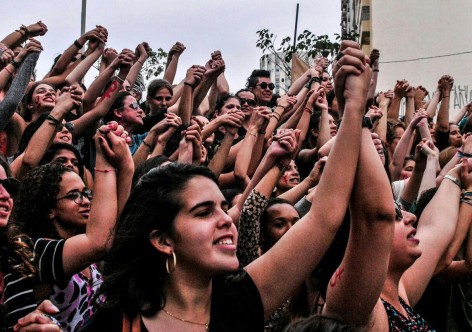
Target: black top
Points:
x,y
236,306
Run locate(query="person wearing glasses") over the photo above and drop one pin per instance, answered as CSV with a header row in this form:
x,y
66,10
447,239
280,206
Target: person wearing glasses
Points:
x,y
55,218
260,84
247,99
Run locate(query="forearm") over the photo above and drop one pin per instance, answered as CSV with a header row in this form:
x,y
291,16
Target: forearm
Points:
x,y
212,99
123,185
400,153
186,105
394,109
142,153
296,193
298,85
373,85
79,72
324,134
450,165
219,159
412,188
273,122
95,89
134,72
222,85
202,90
17,89
459,115
433,105
14,39
244,156
442,121
171,69
66,58
409,110
381,128
429,175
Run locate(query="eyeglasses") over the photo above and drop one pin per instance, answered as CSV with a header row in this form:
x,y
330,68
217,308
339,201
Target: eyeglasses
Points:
x,y
11,185
250,102
264,86
134,105
69,126
398,212
77,196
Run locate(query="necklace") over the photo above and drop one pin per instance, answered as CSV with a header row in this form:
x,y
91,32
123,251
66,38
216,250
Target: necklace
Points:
x,y
186,321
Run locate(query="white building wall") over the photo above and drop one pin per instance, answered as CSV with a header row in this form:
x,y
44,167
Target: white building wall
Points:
x,y
405,29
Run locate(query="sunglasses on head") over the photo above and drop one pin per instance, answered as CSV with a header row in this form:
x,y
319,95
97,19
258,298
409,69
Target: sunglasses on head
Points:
x,y
250,102
264,86
11,185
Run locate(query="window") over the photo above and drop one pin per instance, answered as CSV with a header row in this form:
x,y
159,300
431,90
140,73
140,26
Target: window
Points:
x,y
365,16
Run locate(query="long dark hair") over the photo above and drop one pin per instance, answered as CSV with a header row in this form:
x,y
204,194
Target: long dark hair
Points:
x,y
134,271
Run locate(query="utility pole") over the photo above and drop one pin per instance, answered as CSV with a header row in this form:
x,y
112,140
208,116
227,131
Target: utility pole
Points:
x,y
84,14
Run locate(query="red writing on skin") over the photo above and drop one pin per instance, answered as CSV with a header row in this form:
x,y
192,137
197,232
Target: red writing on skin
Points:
x,y
336,276
285,178
111,89
36,100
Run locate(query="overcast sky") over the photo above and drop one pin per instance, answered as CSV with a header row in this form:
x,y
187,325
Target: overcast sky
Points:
x,y
201,25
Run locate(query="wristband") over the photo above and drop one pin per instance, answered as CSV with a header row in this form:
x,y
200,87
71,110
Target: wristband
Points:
x,y
148,145
462,154
15,64
367,123
119,79
311,81
53,120
453,179
8,70
188,84
105,170
77,44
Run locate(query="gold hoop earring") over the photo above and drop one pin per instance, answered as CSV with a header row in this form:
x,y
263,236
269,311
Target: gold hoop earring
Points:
x,y
174,258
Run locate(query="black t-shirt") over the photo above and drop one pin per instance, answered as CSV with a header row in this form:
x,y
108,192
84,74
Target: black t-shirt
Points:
x,y
236,306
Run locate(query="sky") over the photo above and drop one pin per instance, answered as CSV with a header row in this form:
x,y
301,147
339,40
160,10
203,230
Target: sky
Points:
x,y
203,26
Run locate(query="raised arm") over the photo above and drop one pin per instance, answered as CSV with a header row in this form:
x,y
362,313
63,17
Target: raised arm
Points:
x,y
372,224
284,267
402,146
141,55
172,61
445,84
374,64
19,84
192,79
15,38
435,231
112,161
399,93
79,72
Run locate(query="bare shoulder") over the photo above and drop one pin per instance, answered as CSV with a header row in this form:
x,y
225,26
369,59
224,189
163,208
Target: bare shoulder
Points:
x,y
379,319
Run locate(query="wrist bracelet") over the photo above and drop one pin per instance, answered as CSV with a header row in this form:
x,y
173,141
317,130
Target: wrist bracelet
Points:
x,y
105,170
148,145
15,64
462,154
119,79
276,116
453,179
467,194
446,96
466,201
375,70
8,70
23,35
27,32
77,44
255,135
83,56
188,84
261,132
367,123
306,109
142,63
53,120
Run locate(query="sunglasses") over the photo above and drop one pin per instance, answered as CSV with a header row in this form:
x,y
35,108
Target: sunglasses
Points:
x,y
250,102
77,196
264,86
69,126
398,212
11,185
134,105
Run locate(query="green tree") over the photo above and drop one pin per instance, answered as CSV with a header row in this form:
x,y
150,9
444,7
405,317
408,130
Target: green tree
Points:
x,y
308,44
155,64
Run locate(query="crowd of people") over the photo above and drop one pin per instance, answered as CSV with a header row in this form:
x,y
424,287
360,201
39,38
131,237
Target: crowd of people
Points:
x,y
198,209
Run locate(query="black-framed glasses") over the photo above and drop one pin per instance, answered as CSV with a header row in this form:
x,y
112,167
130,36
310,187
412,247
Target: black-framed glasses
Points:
x,y
77,196
250,102
134,105
69,126
398,211
265,85
11,185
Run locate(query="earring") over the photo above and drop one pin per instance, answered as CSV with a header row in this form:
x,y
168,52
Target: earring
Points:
x,y
169,271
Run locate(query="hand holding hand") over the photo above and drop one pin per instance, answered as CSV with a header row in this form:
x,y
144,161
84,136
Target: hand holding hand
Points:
x,y
401,88
69,98
176,50
35,29
33,46
40,319
112,147
194,75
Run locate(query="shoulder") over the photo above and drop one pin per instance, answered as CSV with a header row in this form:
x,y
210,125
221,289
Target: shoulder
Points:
x,y
236,303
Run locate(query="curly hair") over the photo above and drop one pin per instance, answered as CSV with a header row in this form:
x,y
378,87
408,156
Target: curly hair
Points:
x,y
36,198
134,271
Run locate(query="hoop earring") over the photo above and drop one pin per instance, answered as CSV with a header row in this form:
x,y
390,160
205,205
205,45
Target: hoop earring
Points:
x,y
174,258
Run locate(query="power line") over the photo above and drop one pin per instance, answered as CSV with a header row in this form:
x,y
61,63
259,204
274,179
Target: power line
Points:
x,y
428,57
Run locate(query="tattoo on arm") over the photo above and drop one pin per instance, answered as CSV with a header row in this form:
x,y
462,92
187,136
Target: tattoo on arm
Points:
x,y
336,276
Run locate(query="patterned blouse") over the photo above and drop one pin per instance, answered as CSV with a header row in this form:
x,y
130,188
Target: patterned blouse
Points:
x,y
398,323
248,250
